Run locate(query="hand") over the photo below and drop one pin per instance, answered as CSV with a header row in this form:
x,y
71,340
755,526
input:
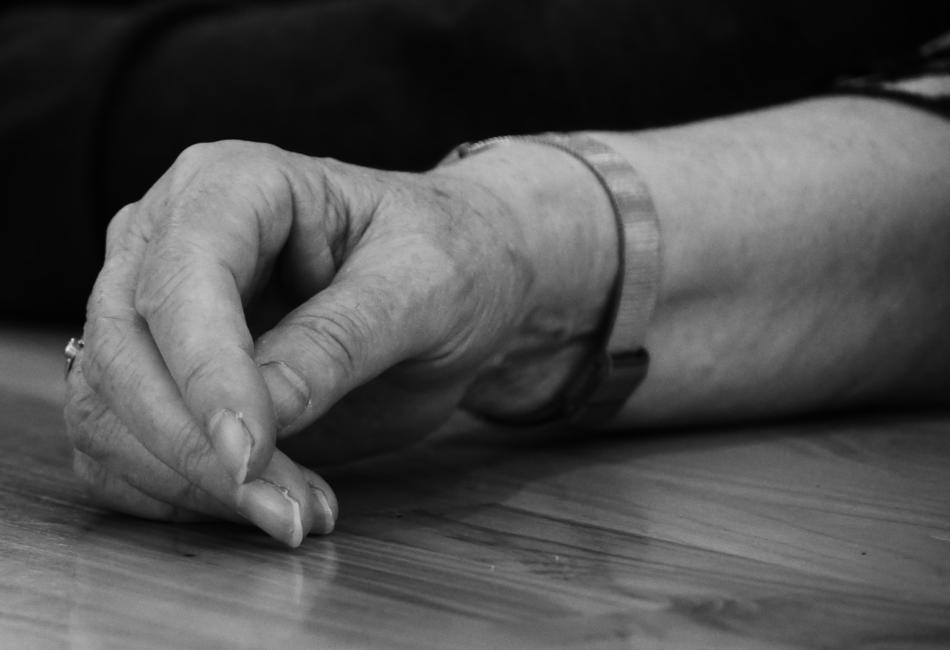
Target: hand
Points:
x,y
394,293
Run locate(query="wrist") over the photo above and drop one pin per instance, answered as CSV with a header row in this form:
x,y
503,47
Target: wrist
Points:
x,y
564,224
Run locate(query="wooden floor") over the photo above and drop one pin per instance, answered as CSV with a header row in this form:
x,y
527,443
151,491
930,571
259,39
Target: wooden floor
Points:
x,y
827,534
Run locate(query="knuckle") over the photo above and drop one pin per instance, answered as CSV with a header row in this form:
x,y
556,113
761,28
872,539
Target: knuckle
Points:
x,y
201,153
270,178
215,150
448,269
118,226
273,191
234,155
189,454
336,336
109,294
93,429
79,435
200,371
78,408
191,173
161,293
106,354
232,188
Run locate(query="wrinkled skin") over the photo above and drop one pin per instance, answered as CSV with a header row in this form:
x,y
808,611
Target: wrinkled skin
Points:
x,y
343,310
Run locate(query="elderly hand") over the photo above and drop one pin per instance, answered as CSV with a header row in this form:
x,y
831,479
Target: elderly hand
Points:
x,y
389,299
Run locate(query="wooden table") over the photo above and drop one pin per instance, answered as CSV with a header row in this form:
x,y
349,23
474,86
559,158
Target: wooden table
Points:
x,y
825,534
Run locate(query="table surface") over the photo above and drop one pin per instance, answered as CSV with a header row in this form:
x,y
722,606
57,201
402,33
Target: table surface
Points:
x,y
829,533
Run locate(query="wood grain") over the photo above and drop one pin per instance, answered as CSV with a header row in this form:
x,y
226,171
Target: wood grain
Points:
x,y
819,534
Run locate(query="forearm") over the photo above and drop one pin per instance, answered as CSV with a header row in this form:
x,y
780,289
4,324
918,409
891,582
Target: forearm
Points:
x,y
806,252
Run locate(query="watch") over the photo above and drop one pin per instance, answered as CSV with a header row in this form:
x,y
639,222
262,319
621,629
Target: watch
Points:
x,y
619,362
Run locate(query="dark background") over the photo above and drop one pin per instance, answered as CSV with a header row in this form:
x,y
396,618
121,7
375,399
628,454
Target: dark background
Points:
x,y
97,99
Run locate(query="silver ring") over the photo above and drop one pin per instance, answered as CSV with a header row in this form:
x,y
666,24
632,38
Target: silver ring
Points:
x,y
73,346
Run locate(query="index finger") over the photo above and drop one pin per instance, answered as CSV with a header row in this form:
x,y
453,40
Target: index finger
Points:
x,y
125,370
212,240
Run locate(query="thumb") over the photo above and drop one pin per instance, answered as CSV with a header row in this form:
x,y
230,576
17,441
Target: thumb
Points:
x,y
349,333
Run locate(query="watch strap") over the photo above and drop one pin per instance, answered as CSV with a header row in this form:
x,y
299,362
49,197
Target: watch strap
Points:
x,y
620,361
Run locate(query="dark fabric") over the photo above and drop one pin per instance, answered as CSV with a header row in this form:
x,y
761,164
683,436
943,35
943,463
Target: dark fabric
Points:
x,y
921,79
95,102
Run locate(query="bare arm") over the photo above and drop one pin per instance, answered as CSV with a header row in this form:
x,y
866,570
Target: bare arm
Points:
x,y
807,251
806,259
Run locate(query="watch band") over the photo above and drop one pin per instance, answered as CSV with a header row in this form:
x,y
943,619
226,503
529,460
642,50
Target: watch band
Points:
x,y
620,362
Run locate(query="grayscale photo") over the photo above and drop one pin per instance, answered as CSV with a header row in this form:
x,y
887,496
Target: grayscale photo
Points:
x,y
478,324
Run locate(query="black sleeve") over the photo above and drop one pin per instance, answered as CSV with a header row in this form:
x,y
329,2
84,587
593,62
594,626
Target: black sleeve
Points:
x,y
96,100
922,79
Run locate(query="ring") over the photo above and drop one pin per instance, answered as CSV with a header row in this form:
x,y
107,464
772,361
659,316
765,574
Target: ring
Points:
x,y
72,351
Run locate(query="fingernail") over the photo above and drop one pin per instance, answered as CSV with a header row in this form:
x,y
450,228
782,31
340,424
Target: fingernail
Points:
x,y
233,442
272,509
322,509
288,391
